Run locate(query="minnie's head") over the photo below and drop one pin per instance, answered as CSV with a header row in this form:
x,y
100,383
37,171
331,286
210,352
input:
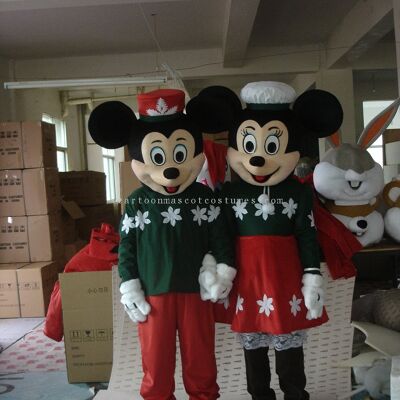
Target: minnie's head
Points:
x,y
267,138
165,144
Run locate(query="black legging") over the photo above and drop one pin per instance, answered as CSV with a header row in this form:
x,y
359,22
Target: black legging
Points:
x,y
290,370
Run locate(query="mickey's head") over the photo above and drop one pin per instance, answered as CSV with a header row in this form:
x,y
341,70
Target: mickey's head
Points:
x,y
267,138
165,144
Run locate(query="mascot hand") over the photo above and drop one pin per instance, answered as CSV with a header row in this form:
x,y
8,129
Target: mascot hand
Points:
x,y
207,276
313,293
225,276
134,301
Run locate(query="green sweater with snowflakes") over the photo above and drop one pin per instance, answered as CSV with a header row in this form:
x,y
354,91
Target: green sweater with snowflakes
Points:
x,y
164,238
291,214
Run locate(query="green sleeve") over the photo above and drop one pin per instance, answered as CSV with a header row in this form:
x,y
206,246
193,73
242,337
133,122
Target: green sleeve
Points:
x,y
127,251
225,199
220,238
305,231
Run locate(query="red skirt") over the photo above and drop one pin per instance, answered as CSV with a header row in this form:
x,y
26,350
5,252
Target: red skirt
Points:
x,y
266,296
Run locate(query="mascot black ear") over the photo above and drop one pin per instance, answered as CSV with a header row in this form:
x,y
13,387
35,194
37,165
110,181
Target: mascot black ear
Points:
x,y
214,109
111,124
319,112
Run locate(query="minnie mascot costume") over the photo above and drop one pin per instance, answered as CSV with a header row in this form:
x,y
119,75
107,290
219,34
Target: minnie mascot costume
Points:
x,y
278,292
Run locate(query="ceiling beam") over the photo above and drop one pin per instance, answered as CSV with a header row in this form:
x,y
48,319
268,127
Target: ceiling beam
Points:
x,y
365,24
20,5
238,26
193,64
303,82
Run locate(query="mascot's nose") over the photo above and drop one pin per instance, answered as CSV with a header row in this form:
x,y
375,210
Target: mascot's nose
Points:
x,y
257,161
362,223
171,173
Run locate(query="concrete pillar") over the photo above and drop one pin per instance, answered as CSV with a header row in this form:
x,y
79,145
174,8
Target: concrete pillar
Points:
x,y
340,83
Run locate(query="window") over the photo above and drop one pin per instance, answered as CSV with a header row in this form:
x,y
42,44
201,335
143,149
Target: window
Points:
x,y
370,110
109,170
61,141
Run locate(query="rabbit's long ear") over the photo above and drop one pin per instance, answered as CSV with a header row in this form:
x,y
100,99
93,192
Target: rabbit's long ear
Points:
x,y
378,125
111,124
335,140
214,109
319,111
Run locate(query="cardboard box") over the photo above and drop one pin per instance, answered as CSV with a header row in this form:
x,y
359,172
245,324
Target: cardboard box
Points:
x,y
72,248
9,297
88,325
12,203
14,240
35,283
11,145
391,135
94,217
39,145
41,190
128,182
45,237
70,213
86,188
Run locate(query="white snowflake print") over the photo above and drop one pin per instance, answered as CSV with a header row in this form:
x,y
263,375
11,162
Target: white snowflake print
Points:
x,y
240,209
127,223
199,214
295,305
266,305
289,208
239,304
225,302
161,109
311,217
264,210
142,219
213,213
171,216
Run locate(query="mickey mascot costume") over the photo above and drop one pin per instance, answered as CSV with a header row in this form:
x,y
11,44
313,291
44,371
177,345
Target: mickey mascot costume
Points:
x,y
170,225
278,292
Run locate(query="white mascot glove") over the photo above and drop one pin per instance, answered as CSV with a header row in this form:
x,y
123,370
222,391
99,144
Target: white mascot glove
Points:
x,y
216,280
313,294
207,276
134,301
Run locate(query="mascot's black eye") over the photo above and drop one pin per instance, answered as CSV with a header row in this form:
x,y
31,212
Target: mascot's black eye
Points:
x,y
272,144
249,144
157,155
180,153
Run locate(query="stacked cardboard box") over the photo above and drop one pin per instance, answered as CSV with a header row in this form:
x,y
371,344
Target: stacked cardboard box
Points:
x,y
391,143
30,225
128,182
85,209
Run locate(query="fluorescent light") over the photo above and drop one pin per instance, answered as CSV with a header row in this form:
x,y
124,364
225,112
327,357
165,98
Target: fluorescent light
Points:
x,y
66,83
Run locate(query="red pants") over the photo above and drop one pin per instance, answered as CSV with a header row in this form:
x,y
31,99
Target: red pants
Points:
x,y
193,318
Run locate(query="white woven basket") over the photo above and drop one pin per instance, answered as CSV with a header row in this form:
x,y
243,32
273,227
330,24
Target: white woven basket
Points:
x,y
327,346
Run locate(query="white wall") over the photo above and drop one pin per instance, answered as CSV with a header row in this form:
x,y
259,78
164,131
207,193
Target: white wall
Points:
x,y
5,100
31,104
367,90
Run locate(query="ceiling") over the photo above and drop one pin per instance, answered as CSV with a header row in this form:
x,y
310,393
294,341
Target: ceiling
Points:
x,y
222,41
54,28
109,28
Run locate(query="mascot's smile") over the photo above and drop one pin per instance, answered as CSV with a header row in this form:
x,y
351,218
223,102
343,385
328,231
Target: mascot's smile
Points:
x,y
263,178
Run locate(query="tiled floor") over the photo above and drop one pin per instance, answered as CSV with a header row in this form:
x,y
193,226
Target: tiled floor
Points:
x,y
13,329
33,366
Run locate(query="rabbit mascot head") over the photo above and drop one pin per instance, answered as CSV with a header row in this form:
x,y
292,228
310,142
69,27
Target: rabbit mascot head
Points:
x,y
349,180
